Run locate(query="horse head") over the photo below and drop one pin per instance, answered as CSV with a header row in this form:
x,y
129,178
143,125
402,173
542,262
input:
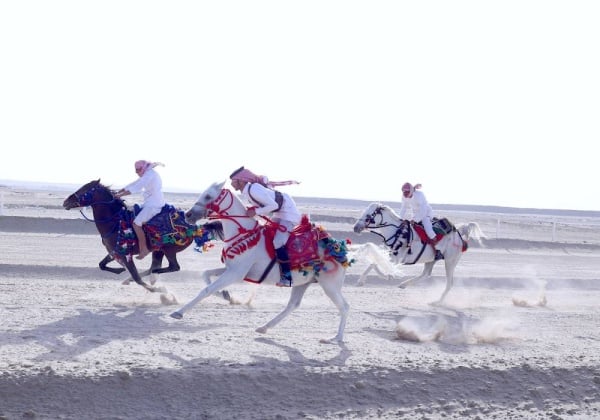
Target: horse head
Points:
x,y
204,205
370,218
89,194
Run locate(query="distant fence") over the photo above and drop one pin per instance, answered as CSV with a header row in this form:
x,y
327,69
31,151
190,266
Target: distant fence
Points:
x,y
544,230
584,230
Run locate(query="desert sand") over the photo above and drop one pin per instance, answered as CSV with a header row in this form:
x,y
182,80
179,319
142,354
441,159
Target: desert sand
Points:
x,y
517,337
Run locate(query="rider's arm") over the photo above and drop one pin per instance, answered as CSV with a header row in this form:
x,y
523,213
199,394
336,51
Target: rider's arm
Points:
x,y
264,198
122,192
403,208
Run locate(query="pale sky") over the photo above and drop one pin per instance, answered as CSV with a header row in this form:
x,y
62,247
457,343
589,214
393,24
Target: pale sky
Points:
x,y
490,103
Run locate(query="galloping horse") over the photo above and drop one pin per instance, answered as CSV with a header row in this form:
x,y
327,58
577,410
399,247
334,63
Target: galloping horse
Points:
x,y
113,221
248,255
405,246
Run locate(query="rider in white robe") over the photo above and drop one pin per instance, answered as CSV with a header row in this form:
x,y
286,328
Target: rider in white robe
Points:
x,y
267,201
414,200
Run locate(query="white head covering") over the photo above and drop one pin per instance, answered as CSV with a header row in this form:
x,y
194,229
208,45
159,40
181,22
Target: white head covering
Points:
x,y
143,165
246,175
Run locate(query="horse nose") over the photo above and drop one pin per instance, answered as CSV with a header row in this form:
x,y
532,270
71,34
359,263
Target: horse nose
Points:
x,y
358,227
67,203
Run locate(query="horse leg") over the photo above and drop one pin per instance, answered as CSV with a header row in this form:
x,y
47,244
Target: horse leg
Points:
x,y
104,267
333,289
295,299
144,273
215,272
450,266
135,276
427,270
382,274
377,260
153,271
173,264
363,277
227,278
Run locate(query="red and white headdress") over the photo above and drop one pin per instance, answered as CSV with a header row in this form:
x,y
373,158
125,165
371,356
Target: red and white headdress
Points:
x,y
143,165
246,175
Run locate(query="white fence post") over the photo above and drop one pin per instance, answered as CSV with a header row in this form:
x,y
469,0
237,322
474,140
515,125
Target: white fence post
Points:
x,y
497,227
2,203
553,231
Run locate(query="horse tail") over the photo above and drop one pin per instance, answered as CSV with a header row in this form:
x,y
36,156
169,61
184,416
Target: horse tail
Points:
x,y
470,231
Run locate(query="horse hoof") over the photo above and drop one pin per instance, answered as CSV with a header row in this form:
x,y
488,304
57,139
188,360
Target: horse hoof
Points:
x,y
333,340
226,295
177,315
261,330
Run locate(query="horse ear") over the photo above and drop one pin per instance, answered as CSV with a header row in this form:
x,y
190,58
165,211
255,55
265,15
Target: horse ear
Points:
x,y
219,185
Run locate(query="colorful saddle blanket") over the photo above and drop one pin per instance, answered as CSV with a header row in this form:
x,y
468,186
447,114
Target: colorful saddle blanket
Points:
x,y
303,246
441,227
166,228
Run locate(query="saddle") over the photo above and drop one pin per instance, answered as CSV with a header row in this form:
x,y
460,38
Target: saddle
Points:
x,y
166,228
441,227
303,246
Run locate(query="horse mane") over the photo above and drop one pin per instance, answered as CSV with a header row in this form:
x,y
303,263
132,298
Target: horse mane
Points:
x,y
112,192
390,209
215,228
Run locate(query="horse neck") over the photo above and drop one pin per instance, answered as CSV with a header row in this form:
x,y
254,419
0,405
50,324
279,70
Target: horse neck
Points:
x,y
392,223
105,215
235,222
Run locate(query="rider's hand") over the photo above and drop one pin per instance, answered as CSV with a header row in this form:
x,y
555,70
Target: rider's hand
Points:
x,y
250,212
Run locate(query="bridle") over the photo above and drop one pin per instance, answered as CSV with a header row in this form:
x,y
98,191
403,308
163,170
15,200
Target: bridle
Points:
x,y
374,221
86,199
219,209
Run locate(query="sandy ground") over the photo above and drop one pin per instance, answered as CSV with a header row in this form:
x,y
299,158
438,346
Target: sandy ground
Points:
x,y
517,338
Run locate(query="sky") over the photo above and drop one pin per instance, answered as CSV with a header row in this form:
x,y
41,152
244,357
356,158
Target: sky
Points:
x,y
482,102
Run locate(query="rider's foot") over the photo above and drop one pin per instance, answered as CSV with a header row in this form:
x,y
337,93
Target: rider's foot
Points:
x,y
285,281
142,254
438,255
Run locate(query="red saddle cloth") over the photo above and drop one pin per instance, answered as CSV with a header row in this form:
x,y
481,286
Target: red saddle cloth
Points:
x,y
302,245
422,235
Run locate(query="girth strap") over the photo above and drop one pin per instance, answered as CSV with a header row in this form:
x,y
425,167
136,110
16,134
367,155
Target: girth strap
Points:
x,y
267,271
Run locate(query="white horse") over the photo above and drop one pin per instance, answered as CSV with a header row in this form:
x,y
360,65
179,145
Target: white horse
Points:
x,y
246,256
402,241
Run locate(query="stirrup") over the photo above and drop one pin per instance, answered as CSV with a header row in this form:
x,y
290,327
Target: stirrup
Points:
x,y
438,255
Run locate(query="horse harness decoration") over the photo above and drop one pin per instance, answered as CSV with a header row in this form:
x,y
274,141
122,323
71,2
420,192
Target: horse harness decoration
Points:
x,y
403,233
302,244
392,242
166,228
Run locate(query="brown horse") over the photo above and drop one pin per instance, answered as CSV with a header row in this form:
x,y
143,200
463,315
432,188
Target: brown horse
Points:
x,y
167,233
